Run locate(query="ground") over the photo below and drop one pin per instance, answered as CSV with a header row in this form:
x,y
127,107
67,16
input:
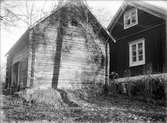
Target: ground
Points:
x,y
95,109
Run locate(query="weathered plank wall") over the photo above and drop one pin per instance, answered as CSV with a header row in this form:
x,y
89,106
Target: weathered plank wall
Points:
x,y
19,53
21,57
81,60
45,47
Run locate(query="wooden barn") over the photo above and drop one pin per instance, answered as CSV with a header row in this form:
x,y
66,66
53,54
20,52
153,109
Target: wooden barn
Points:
x,y
66,49
140,31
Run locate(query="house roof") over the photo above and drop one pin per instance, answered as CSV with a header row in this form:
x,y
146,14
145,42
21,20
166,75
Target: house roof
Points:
x,y
154,10
60,5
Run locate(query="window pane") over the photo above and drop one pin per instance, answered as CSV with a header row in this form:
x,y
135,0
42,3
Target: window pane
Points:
x,y
140,46
133,48
140,51
133,19
127,22
140,57
134,53
134,59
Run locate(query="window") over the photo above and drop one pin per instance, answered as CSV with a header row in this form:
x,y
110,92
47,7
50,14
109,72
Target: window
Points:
x,y
137,52
130,18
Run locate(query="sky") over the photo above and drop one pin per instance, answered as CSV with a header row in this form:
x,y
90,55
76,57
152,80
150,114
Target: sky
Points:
x,y
103,10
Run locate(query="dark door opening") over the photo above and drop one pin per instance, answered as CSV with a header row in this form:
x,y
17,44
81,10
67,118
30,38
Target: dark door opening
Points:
x,y
15,76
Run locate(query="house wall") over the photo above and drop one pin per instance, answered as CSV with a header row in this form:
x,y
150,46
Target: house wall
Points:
x,y
149,27
66,61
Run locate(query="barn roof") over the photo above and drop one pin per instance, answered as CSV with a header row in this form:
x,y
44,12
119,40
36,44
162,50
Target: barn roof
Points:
x,y
60,5
154,10
22,40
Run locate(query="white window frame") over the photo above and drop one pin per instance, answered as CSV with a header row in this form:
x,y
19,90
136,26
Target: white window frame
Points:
x,y
137,62
128,13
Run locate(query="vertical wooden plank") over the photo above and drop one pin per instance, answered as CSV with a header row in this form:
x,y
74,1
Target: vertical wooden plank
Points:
x,y
108,63
105,66
29,59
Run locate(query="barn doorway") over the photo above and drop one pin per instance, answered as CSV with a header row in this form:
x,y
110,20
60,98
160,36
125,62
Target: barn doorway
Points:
x,y
16,76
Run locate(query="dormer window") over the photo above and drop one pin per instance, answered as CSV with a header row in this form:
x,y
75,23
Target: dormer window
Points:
x,y
130,18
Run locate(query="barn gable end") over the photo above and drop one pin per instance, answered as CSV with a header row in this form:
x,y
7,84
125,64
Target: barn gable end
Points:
x,y
67,49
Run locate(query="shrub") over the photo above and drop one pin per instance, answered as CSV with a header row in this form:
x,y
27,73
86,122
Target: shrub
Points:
x,y
158,89
88,90
148,88
137,88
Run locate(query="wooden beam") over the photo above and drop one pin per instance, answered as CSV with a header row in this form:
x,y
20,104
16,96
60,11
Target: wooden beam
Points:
x,y
107,63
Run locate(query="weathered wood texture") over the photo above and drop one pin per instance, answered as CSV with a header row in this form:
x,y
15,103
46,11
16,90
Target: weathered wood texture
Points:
x,y
20,57
18,54
81,60
60,54
44,39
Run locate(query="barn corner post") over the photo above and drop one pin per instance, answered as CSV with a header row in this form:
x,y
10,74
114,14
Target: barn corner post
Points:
x,y
31,60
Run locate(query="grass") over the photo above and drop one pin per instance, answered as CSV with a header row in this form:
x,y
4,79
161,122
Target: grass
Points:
x,y
91,109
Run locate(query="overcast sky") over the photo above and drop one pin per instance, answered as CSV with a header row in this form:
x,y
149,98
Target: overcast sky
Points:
x,y
103,10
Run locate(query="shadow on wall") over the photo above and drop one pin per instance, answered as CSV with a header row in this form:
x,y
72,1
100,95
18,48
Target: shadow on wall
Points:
x,y
57,57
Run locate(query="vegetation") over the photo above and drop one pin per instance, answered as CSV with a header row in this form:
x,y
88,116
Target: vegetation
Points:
x,y
70,106
148,88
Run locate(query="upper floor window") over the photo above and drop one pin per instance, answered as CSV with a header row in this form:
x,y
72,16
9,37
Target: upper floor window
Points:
x,y
130,18
137,52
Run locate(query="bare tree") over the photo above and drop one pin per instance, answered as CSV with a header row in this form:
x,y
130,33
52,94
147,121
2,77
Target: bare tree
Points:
x,y
21,11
